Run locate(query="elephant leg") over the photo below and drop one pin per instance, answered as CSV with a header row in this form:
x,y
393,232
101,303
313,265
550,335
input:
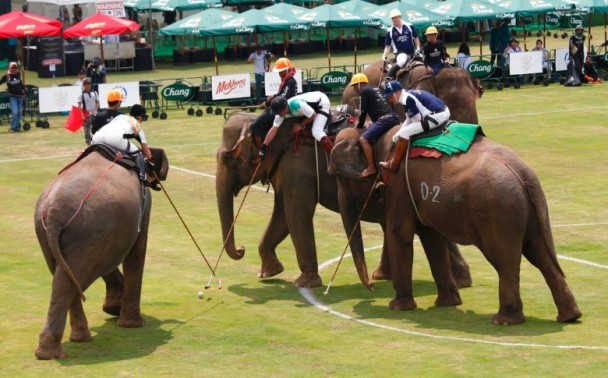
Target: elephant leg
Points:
x,y
383,271
78,323
275,233
133,266
63,294
459,266
537,253
436,250
115,284
400,244
505,257
298,216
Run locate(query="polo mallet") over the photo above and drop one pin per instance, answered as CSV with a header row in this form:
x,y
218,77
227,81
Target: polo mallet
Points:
x,y
352,233
232,227
188,230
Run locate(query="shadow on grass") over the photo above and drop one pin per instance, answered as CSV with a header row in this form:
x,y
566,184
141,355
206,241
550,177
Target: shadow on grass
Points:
x,y
113,343
274,289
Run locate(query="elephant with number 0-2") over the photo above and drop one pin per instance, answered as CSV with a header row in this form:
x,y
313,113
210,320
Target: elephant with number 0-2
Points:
x,y
89,220
487,197
297,190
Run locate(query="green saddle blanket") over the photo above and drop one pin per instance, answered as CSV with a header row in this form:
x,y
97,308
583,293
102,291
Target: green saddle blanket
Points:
x,y
455,138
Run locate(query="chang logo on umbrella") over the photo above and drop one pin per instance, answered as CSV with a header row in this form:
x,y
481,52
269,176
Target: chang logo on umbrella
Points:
x,y
443,9
575,20
414,16
552,20
244,29
347,16
191,23
480,69
481,9
275,20
334,79
178,92
299,27
319,24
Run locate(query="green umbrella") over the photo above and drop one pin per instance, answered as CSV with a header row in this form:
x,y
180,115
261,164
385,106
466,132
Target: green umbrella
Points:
x,y
171,5
418,16
332,16
254,21
467,10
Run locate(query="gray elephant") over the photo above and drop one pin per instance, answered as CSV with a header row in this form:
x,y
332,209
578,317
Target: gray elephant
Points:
x,y
298,187
487,197
91,218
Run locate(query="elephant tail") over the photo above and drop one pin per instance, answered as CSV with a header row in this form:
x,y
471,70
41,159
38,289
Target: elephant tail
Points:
x,y
52,234
539,202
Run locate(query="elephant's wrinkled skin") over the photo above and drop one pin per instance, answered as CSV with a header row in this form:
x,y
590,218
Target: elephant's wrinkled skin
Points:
x,y
487,197
455,86
294,180
93,238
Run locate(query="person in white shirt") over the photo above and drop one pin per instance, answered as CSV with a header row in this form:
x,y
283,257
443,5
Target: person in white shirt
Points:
x,y
261,64
463,58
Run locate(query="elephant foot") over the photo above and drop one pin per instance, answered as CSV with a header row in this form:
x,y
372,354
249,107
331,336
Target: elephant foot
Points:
x,y
569,316
271,269
48,348
80,336
135,321
402,304
508,319
112,304
450,299
382,274
308,280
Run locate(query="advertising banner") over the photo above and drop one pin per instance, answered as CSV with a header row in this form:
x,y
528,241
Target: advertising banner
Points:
x,y
272,80
230,86
58,99
529,62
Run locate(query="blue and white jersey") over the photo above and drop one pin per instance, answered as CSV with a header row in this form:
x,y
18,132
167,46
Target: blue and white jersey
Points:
x,y
402,39
420,102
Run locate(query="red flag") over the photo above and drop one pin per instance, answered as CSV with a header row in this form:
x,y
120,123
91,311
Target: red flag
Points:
x,y
74,121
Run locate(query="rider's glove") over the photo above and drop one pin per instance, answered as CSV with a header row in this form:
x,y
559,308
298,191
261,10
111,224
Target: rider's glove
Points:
x,y
263,149
384,57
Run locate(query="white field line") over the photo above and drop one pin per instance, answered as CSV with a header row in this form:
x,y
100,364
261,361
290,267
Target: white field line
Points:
x,y
310,297
545,112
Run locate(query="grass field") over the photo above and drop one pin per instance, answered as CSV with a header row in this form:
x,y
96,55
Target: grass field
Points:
x,y
269,328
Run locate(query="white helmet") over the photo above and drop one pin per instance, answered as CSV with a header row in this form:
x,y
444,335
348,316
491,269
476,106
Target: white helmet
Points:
x,y
395,13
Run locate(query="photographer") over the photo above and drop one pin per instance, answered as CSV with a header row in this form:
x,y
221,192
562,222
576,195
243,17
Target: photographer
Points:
x,y
261,63
97,72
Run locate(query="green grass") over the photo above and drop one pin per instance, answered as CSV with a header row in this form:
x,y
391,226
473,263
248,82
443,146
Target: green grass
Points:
x,y
267,328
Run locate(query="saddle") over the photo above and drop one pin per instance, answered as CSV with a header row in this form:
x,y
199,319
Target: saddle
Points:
x,y
450,138
340,118
410,65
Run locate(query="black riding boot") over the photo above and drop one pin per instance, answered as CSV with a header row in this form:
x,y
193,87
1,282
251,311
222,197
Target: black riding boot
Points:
x,y
392,72
140,162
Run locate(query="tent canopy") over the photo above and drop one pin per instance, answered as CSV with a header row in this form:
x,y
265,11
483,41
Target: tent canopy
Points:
x,y
195,23
254,21
171,5
17,24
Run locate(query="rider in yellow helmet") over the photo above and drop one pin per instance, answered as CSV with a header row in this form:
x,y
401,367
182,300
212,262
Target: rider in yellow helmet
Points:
x,y
435,55
383,118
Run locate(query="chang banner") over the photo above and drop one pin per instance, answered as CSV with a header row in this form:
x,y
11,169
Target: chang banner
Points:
x,y
272,81
230,86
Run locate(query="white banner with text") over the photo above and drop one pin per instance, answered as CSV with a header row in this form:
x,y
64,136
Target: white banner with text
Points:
x,y
230,86
272,81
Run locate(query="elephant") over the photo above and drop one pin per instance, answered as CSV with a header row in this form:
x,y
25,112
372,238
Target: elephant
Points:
x,y
454,85
298,187
487,197
91,218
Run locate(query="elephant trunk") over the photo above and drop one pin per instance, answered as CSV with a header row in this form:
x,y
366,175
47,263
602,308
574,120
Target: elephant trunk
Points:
x,y
225,201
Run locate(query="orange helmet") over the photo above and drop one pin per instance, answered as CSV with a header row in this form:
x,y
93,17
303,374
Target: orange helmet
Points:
x,y
115,95
282,64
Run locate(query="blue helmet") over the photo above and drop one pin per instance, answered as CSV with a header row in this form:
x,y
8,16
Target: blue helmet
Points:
x,y
392,87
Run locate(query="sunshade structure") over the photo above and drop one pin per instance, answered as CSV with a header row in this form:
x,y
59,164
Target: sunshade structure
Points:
x,y
331,16
171,5
193,25
61,2
100,24
284,8
418,16
17,24
467,10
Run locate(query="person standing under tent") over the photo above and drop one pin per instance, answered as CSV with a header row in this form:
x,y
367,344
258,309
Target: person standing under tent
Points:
x,y
16,91
261,64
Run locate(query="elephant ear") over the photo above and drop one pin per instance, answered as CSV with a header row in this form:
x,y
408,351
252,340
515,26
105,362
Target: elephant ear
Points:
x,y
347,158
161,163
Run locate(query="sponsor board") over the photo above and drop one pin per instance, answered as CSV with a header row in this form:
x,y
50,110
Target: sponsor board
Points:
x,y
334,79
480,69
230,86
272,81
178,92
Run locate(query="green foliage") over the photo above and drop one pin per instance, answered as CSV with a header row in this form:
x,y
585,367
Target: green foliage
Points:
x,y
267,328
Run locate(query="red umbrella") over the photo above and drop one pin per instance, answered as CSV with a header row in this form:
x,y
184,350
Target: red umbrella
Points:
x,y
100,24
17,24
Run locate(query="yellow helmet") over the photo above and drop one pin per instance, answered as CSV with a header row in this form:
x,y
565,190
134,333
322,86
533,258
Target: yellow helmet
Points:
x,y
431,30
358,78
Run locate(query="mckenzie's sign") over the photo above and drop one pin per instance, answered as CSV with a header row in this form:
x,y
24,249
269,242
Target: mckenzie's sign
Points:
x,y
334,79
480,69
178,92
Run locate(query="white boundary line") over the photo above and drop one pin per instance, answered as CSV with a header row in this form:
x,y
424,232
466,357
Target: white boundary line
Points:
x,y
310,297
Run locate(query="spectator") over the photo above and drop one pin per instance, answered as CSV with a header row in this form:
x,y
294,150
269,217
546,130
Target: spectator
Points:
x,y
513,47
16,92
463,58
434,52
97,72
539,47
261,64
76,13
82,74
64,16
402,38
88,101
169,17
577,50
494,51
504,35
590,74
